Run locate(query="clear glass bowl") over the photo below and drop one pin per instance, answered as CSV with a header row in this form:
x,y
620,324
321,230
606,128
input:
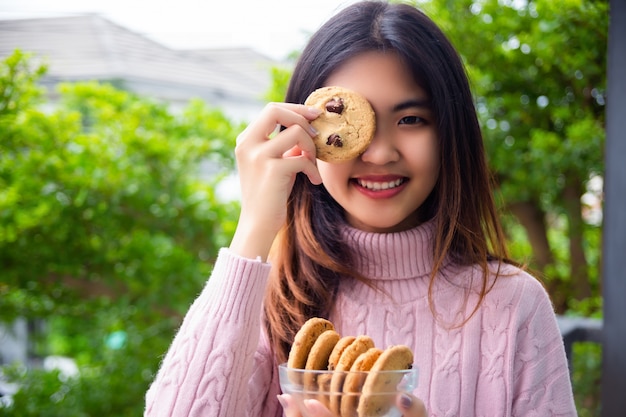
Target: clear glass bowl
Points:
x,y
349,394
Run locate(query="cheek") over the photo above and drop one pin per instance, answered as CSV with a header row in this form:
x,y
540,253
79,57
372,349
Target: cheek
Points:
x,y
333,175
431,155
432,164
424,158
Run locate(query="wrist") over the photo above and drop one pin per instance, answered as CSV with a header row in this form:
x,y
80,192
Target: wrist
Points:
x,y
252,243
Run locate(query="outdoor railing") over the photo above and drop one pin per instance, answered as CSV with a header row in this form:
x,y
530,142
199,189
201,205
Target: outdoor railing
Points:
x,y
578,329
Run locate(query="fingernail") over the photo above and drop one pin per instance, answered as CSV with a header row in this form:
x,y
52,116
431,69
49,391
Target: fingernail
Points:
x,y
314,407
406,401
314,111
282,401
313,130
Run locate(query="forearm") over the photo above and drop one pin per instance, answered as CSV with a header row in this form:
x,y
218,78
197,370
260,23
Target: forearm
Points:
x,y
209,362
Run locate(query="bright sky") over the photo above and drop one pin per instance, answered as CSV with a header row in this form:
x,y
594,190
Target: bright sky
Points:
x,y
273,27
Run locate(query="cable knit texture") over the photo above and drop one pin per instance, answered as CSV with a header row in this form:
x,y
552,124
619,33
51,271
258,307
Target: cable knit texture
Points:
x,y
507,359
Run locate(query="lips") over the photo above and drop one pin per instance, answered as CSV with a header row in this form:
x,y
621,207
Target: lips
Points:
x,y
380,185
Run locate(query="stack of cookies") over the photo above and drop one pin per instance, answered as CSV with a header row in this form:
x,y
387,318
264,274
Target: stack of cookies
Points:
x,y
359,376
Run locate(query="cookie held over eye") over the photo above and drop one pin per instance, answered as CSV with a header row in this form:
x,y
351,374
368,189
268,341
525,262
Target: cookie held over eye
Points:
x,y
345,127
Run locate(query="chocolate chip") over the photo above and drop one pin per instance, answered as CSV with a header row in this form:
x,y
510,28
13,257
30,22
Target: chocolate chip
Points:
x,y
335,140
335,105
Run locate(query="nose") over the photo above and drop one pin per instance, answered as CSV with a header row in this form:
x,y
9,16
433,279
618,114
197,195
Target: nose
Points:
x,y
382,150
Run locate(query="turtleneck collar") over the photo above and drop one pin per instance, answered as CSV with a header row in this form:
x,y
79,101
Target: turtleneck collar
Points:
x,y
399,255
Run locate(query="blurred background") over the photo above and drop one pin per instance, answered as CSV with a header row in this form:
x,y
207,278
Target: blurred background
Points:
x,y
273,27
118,183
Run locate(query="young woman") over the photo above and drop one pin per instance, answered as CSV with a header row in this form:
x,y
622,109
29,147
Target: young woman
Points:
x,y
402,244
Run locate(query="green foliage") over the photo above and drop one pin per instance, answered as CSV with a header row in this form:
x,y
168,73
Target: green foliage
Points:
x,y
587,378
280,80
113,383
108,230
18,89
538,70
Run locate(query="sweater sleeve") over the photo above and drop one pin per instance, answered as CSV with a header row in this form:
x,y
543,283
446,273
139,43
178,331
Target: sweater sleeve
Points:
x,y
217,355
542,385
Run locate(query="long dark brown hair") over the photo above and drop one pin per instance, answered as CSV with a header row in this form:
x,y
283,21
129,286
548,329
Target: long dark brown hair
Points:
x,y
309,257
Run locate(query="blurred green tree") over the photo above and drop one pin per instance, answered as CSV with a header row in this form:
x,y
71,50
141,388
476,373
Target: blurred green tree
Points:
x,y
539,76
108,230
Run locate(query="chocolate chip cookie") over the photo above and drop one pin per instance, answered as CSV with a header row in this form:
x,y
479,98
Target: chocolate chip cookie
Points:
x,y
345,127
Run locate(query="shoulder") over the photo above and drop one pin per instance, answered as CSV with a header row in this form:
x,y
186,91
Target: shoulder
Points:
x,y
504,275
506,293
503,283
518,291
507,277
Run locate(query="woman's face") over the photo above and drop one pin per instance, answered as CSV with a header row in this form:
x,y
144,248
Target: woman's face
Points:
x,y
382,190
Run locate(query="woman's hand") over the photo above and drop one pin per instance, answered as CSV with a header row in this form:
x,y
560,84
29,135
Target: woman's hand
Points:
x,y
267,170
410,406
314,408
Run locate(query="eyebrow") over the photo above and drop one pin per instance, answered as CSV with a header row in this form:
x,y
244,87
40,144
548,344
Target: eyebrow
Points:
x,y
412,103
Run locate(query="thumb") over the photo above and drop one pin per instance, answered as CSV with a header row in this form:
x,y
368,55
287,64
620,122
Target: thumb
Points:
x,y
411,406
289,408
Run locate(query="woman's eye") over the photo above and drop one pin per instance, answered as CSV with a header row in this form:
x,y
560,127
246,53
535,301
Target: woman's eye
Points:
x,y
411,120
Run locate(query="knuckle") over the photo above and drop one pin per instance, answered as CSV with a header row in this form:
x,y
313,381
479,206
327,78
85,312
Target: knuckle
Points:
x,y
272,107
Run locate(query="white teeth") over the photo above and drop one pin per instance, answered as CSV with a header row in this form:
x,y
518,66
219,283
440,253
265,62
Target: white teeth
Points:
x,y
371,185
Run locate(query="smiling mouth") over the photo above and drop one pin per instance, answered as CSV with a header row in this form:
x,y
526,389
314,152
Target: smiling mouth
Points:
x,y
380,185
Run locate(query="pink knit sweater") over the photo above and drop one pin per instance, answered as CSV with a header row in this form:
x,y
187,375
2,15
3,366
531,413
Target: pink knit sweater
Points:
x,y
507,360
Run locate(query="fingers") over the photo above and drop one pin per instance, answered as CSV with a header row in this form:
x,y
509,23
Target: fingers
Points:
x,y
290,142
317,409
314,408
289,408
279,114
292,148
293,142
411,406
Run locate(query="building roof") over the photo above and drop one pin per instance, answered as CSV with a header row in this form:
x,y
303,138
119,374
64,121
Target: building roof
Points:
x,y
91,47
